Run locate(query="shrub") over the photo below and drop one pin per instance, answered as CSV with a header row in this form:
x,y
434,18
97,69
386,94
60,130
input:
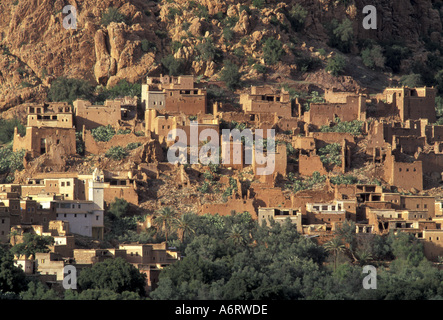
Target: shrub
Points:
x,y
307,64
116,153
353,127
103,133
122,89
411,80
308,183
174,66
176,45
208,51
297,16
172,12
125,131
336,65
7,129
11,161
373,57
258,3
341,35
230,75
79,143
239,52
395,54
228,34
272,51
133,145
202,12
331,154
205,187
314,98
119,207
112,15
342,179
148,46
69,89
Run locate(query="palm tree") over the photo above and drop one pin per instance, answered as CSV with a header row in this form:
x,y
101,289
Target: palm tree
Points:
x,y
13,234
335,246
165,219
237,235
364,256
184,226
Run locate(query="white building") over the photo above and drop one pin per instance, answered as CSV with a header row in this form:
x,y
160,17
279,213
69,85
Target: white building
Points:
x,y
84,217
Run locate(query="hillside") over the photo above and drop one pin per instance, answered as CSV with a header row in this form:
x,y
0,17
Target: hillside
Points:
x,y
36,49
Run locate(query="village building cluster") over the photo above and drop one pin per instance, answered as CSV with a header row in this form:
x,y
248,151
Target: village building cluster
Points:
x,y
401,139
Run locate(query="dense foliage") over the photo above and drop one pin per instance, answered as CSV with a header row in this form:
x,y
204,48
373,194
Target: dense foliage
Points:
x,y
353,127
68,90
7,129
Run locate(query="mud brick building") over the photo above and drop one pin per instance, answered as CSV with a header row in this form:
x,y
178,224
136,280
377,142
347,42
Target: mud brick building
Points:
x,y
174,95
49,130
346,107
90,116
405,175
265,99
410,103
161,126
54,115
280,215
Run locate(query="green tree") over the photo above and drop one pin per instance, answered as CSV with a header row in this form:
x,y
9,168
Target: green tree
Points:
x,y
7,129
185,226
68,90
79,143
297,16
12,279
237,235
411,80
341,35
331,154
230,75
119,207
103,133
261,69
165,219
38,291
335,246
148,46
112,274
122,89
336,65
31,244
174,66
272,51
354,127
116,153
373,57
112,15
208,51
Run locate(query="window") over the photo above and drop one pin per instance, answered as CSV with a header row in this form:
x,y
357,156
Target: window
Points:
x,y
62,184
75,215
68,183
96,218
86,215
64,215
